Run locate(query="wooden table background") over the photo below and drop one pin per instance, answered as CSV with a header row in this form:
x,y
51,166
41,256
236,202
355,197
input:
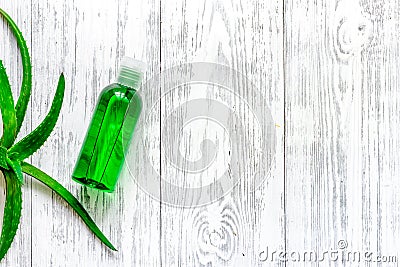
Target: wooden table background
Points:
x,y
329,72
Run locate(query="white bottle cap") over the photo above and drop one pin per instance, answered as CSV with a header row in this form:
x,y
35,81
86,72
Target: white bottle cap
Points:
x,y
131,72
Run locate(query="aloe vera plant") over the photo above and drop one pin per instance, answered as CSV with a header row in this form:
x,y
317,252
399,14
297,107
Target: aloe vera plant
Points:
x,y
13,154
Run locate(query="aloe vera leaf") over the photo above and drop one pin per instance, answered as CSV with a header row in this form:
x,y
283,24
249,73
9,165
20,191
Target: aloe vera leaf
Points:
x,y
26,86
33,141
4,158
16,167
12,211
68,197
7,109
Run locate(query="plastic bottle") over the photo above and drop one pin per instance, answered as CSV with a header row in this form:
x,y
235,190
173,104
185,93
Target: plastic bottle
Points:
x,y
102,154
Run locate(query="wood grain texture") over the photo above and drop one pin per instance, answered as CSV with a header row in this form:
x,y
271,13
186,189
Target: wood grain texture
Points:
x,y
328,72
338,165
247,37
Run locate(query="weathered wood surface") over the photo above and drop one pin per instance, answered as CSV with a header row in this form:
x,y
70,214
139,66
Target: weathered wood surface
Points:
x,y
341,114
328,73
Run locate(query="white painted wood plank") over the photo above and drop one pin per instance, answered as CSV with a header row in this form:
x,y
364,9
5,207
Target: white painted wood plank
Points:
x,y
379,139
247,37
140,35
54,225
317,148
337,56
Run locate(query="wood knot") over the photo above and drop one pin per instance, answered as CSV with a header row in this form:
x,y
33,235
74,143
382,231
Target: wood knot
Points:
x,y
352,30
216,230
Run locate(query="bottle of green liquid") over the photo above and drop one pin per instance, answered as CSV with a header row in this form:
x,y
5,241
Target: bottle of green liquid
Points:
x,y
111,128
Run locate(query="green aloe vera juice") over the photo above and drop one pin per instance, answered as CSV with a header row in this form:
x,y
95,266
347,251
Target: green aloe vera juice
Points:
x,y
102,154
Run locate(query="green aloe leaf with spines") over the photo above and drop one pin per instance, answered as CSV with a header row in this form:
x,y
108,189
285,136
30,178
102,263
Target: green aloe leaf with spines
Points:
x,y
12,154
7,109
12,211
33,141
25,94
68,197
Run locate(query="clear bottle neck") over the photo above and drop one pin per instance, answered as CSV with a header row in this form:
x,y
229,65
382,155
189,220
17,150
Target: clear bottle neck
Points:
x,y
130,72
